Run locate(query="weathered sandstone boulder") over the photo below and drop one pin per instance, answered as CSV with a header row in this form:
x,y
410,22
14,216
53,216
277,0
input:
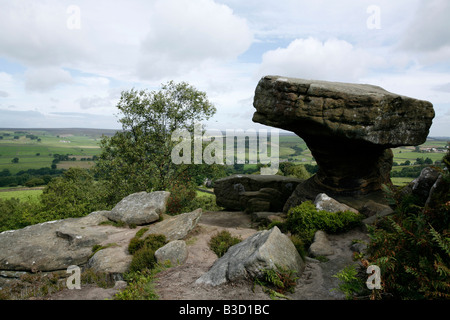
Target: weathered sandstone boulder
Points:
x,y
175,252
177,227
140,208
421,186
320,246
247,259
54,245
254,192
324,202
349,128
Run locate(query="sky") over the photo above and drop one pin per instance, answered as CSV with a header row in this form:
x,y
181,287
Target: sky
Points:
x,y
64,63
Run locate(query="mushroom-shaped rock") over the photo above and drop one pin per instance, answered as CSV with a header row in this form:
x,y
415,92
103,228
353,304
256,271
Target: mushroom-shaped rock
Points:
x,y
349,128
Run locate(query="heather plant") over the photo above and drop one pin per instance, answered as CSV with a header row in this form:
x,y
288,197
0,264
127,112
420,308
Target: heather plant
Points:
x,y
222,241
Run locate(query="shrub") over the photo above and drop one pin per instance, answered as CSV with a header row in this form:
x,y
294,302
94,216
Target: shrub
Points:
x,y
140,286
304,220
143,251
181,194
75,194
16,214
222,241
154,241
143,258
412,250
207,203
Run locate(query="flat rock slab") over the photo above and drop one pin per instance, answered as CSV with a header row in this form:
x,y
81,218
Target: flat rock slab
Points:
x,y
346,110
54,245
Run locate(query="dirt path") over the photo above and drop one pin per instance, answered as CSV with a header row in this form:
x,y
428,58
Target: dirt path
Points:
x,y
178,283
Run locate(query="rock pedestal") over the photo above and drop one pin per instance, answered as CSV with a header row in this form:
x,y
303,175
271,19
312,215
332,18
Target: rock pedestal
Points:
x,y
349,128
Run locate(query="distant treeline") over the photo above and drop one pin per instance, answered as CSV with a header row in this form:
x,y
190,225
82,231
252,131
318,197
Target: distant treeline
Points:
x,y
29,178
408,172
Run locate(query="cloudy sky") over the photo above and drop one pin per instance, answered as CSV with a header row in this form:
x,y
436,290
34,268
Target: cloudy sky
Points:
x,y
65,63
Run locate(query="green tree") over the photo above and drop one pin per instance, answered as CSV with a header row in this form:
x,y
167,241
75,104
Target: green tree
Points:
x,y
294,170
15,160
138,158
75,194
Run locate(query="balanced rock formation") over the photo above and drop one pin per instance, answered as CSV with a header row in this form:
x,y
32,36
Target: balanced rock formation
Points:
x,y
349,128
254,192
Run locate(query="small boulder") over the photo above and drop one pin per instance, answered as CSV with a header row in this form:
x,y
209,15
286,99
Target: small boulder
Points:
x,y
421,186
321,246
140,208
177,227
372,208
266,249
114,260
175,252
324,202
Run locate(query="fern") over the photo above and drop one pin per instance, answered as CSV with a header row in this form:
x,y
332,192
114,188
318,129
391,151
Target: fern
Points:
x,y
444,243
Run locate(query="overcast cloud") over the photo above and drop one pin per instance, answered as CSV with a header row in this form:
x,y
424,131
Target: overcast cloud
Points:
x,y
64,63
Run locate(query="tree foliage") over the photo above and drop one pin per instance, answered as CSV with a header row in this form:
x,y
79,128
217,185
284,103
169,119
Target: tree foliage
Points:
x,y
138,158
75,194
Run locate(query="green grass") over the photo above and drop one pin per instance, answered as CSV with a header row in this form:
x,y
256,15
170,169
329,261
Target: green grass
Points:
x,y
207,194
22,195
401,181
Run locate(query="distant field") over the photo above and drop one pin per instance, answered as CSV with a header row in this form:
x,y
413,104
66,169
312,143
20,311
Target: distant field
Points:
x,y
401,181
20,193
35,147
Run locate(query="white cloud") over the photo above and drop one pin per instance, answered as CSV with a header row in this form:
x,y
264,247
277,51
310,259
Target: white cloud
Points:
x,y
35,33
428,35
185,34
334,59
430,30
46,78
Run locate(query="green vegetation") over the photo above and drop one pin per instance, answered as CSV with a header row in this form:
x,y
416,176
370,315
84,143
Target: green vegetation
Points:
x,y
351,284
277,281
30,195
304,220
221,242
411,247
139,285
143,267
139,157
36,148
